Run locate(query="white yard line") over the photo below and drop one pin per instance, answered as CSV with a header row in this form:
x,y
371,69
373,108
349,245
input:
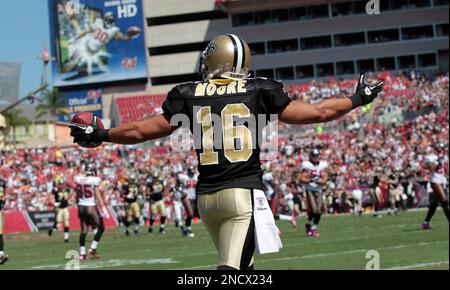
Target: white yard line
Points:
x,y
110,263
321,255
421,265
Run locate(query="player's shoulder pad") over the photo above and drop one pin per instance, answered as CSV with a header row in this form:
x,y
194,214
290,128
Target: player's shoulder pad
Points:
x,y
306,164
268,84
323,164
182,91
431,158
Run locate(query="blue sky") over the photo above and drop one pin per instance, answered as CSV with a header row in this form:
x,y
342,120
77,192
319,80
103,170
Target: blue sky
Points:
x,y
24,30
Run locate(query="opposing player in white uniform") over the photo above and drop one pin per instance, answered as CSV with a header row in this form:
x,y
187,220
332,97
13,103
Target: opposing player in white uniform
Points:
x,y
89,200
188,184
314,177
438,182
176,193
86,49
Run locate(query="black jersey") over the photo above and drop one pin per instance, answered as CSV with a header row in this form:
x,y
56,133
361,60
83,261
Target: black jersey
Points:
x,y
157,191
2,192
227,121
61,197
130,192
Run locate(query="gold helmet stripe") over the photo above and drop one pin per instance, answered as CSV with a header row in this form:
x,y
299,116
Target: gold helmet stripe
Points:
x,y
238,47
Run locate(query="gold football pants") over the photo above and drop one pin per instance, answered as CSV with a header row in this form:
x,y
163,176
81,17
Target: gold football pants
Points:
x,y
133,210
158,207
62,217
228,218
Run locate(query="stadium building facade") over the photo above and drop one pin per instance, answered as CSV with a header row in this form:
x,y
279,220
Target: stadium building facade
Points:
x,y
296,40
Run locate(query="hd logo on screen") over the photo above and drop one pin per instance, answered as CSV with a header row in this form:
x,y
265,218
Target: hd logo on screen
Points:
x,y
97,41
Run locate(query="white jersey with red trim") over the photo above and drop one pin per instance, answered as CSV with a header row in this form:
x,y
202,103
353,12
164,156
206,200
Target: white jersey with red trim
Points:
x,y
86,186
314,171
438,174
189,185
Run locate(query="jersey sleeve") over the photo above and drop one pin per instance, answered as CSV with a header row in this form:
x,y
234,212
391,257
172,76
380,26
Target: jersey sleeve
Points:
x,y
324,164
181,177
174,104
273,96
96,181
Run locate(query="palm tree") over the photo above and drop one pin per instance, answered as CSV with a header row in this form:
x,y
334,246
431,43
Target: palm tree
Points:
x,y
52,102
13,120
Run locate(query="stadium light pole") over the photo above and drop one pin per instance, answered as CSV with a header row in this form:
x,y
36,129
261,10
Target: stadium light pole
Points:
x,y
30,97
46,58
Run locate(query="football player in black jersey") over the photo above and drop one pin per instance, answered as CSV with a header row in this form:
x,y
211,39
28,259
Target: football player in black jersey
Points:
x,y
61,195
130,192
155,194
3,256
223,112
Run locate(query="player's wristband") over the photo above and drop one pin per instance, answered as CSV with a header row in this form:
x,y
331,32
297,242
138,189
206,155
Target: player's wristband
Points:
x,y
105,212
102,135
357,101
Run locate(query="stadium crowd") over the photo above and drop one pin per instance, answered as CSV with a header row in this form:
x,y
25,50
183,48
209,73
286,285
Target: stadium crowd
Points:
x,y
372,159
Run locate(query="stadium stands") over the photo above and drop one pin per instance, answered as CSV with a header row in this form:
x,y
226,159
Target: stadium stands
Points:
x,y
139,108
393,151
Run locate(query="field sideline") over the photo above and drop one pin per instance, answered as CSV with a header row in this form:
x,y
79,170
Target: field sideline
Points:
x,y
344,243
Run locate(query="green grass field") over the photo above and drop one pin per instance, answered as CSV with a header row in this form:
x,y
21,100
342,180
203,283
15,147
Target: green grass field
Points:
x,y
344,243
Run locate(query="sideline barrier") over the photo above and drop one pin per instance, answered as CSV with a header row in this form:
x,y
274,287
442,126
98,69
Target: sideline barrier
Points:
x,y
15,222
27,222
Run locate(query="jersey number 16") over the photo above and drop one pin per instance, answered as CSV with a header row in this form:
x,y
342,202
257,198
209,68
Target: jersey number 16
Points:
x,y
230,134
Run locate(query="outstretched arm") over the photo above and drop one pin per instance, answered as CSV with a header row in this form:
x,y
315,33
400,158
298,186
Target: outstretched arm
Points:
x,y
132,32
139,132
298,112
127,134
100,198
101,201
